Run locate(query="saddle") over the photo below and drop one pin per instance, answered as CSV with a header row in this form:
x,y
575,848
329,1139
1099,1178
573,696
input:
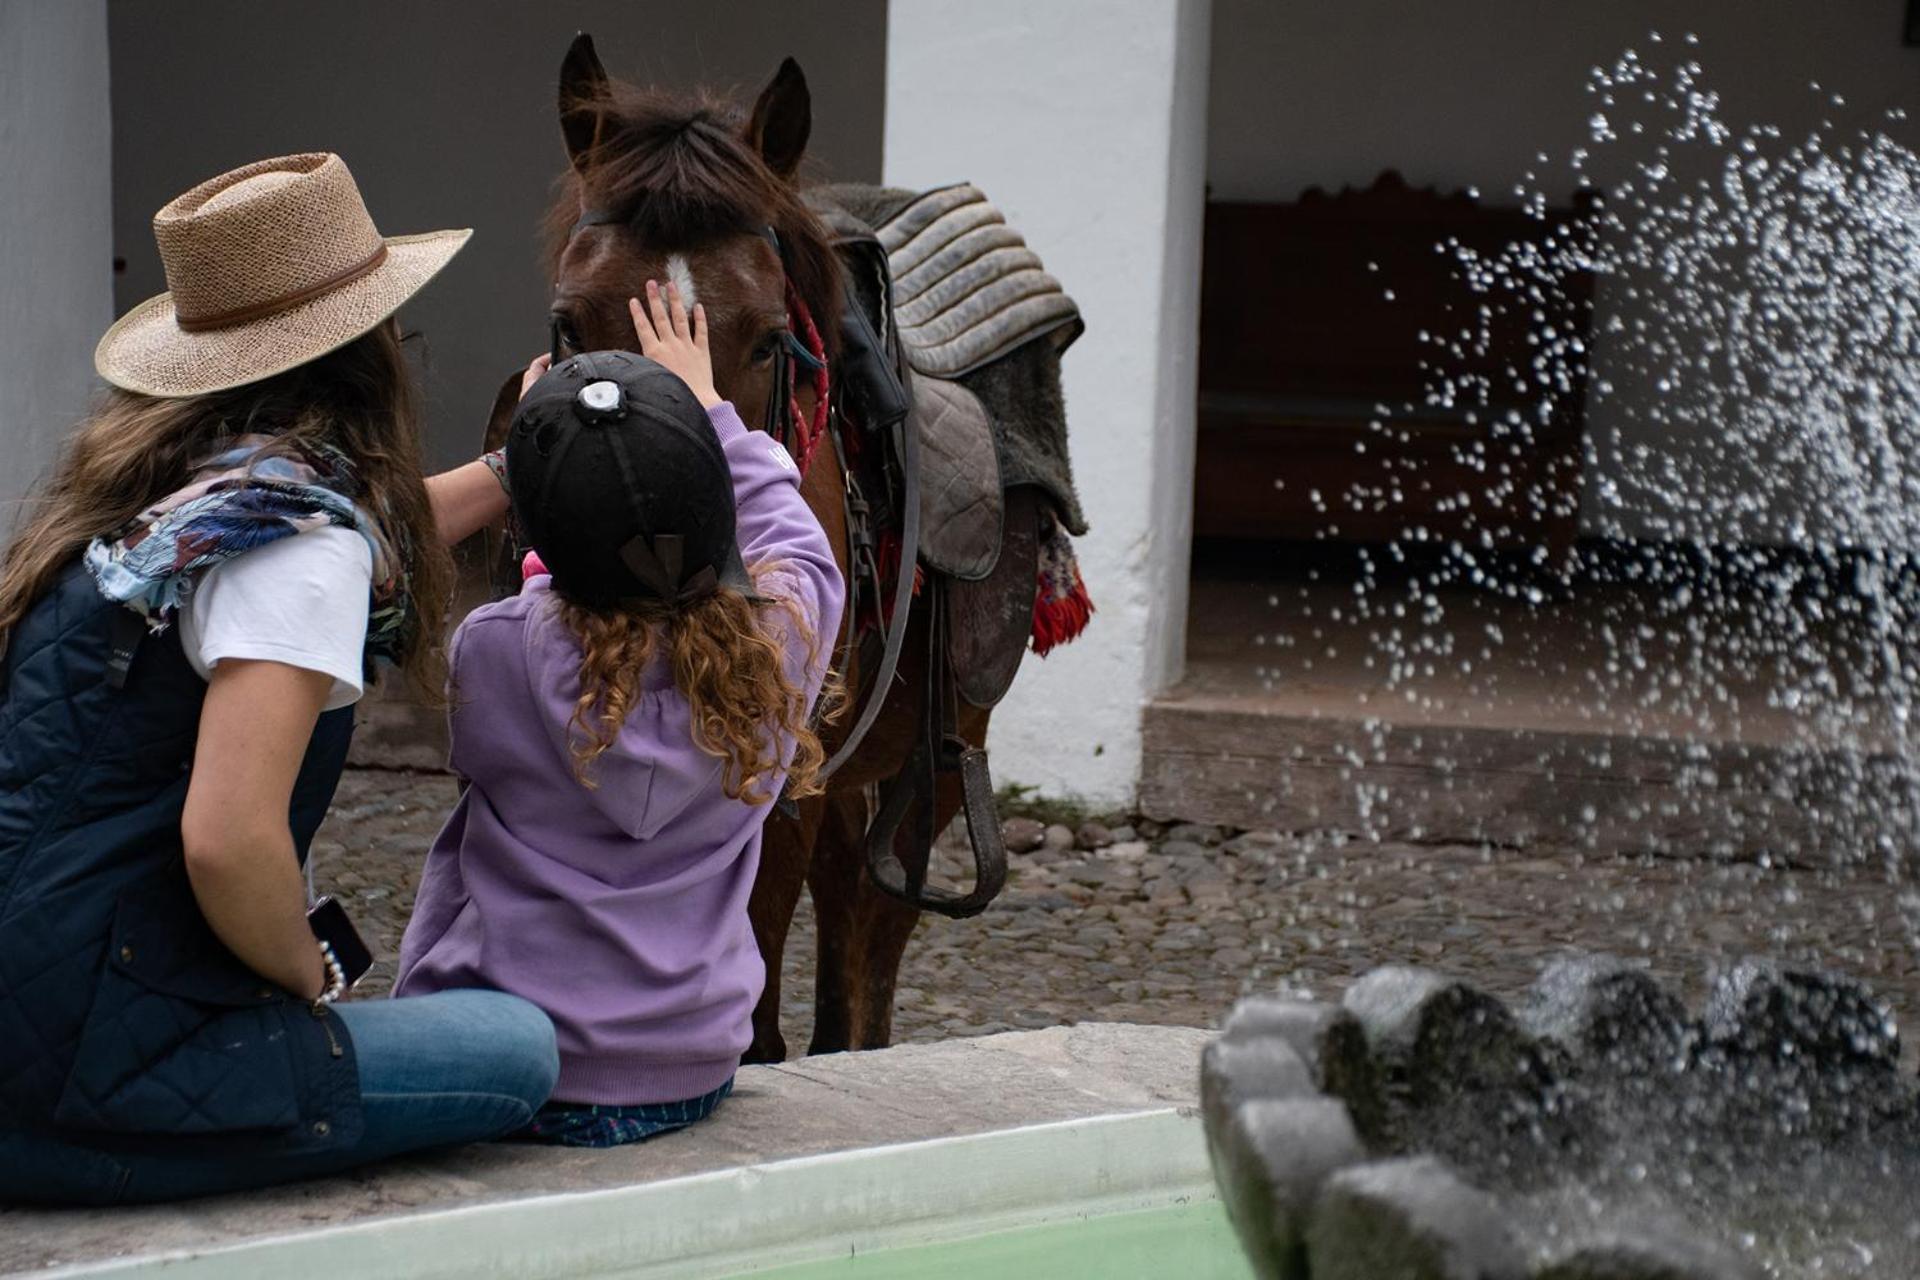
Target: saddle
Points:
x,y
941,293
967,289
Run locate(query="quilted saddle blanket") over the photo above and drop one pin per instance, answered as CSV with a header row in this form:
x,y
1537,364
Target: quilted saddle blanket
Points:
x,y
966,288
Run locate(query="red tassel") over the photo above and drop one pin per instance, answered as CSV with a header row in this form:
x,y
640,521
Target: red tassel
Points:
x,y
887,559
1059,620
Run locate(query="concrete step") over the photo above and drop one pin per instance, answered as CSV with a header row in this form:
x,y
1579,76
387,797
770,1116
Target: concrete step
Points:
x,y
1272,760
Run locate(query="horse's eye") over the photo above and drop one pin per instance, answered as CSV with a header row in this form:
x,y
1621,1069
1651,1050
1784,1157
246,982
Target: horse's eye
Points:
x,y
563,330
763,350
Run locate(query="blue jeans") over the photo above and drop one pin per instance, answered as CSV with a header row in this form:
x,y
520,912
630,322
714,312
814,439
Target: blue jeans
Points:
x,y
585,1124
435,1070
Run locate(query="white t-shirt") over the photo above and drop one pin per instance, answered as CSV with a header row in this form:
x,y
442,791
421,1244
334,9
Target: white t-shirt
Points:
x,y
301,600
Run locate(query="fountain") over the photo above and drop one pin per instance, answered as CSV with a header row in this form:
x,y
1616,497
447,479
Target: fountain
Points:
x,y
1752,488
1593,1129
1757,481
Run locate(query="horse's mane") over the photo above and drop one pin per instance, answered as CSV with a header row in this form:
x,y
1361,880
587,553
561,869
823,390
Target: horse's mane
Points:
x,y
678,170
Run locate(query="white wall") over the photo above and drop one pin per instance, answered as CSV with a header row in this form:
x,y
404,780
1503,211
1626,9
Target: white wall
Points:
x,y
1306,93
56,234
1084,120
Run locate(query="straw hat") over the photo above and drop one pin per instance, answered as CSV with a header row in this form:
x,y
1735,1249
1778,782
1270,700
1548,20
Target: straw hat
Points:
x,y
268,267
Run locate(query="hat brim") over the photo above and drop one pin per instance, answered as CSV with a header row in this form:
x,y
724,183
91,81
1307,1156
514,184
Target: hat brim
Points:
x,y
148,352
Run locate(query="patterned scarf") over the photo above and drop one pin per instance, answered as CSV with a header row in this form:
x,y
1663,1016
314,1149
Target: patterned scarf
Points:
x,y
240,499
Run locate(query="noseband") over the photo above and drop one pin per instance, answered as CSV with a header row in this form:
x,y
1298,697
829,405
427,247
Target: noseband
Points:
x,y
803,348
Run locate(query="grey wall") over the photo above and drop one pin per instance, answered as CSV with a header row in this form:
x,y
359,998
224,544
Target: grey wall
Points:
x,y
1465,93
444,110
56,292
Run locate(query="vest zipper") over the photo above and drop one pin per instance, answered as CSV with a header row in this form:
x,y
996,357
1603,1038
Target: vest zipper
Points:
x,y
319,1011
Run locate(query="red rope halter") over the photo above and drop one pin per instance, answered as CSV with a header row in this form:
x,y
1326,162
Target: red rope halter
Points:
x,y
807,435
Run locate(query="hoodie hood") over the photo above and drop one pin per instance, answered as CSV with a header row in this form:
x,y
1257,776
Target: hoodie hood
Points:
x,y
653,771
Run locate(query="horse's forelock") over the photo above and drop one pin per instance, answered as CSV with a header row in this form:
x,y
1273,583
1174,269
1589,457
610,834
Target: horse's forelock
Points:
x,y
677,171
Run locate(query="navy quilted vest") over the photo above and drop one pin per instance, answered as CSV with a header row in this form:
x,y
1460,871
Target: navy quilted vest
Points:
x,y
122,1016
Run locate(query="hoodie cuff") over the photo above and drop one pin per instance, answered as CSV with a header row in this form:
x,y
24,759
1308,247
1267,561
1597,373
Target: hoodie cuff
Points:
x,y
726,422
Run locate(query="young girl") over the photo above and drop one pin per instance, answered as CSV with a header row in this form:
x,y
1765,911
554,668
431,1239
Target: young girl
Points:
x,y
625,724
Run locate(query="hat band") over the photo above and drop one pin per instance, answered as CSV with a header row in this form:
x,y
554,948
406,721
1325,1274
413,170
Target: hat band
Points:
x,y
285,302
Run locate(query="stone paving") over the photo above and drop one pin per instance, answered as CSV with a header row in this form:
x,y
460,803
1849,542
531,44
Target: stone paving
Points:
x,y
1170,925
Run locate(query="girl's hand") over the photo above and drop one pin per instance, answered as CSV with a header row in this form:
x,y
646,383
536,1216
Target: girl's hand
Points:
x,y
669,338
535,371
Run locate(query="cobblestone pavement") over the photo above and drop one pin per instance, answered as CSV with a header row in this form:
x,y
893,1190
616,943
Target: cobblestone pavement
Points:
x,y
1170,925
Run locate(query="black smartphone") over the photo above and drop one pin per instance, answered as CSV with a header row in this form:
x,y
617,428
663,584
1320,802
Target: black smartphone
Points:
x,y
328,920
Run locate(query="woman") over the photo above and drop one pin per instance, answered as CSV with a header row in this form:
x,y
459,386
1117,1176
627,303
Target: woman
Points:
x,y
188,614
646,701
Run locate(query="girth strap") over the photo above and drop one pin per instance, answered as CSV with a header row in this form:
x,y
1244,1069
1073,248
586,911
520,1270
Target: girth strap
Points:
x,y
940,750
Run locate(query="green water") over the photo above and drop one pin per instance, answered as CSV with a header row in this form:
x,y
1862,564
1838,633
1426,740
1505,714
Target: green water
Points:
x,y
1192,1242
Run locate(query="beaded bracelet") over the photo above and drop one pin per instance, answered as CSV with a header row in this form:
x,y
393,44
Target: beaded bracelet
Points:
x,y
496,460
336,976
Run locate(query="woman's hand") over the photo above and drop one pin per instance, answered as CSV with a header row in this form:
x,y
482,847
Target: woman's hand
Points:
x,y
673,340
535,371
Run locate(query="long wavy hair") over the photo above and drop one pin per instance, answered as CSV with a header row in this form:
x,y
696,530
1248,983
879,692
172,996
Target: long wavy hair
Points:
x,y
133,450
725,656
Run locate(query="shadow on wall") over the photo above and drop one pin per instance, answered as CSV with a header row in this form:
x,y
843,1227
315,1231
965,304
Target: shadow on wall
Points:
x,y
444,109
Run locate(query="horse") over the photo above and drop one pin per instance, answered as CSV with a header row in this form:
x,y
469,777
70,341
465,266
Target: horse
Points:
x,y
695,191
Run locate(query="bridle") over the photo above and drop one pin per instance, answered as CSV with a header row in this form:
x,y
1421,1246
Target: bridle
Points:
x,y
783,420
941,745
803,348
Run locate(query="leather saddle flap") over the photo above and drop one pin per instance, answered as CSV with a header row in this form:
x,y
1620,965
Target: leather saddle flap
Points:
x,y
962,506
966,288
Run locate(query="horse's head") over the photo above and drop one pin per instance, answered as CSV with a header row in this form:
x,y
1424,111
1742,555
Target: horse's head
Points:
x,y
693,191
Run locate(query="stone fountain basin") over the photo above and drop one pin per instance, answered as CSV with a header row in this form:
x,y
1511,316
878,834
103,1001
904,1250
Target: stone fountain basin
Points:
x,y
813,1162
1594,1129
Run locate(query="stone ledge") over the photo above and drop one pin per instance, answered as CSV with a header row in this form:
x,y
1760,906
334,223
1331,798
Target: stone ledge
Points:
x,y
1268,762
809,1107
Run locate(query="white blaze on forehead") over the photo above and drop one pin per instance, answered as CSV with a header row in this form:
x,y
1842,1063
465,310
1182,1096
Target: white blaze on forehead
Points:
x,y
680,276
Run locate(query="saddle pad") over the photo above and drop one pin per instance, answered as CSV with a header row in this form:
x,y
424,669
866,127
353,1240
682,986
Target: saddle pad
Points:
x,y
990,622
1020,390
966,288
961,500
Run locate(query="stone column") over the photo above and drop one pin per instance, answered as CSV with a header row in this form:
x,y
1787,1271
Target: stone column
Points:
x,y
56,236
1085,121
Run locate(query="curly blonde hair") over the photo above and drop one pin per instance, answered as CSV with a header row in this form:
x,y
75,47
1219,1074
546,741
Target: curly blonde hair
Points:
x,y
728,664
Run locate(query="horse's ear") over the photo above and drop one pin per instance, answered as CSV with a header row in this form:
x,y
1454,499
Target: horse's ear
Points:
x,y
583,91
782,120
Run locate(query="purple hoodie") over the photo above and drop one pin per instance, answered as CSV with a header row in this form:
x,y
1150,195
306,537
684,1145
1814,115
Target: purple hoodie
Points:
x,y
621,910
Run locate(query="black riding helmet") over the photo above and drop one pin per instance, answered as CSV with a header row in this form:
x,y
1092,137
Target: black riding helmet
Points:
x,y
620,484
